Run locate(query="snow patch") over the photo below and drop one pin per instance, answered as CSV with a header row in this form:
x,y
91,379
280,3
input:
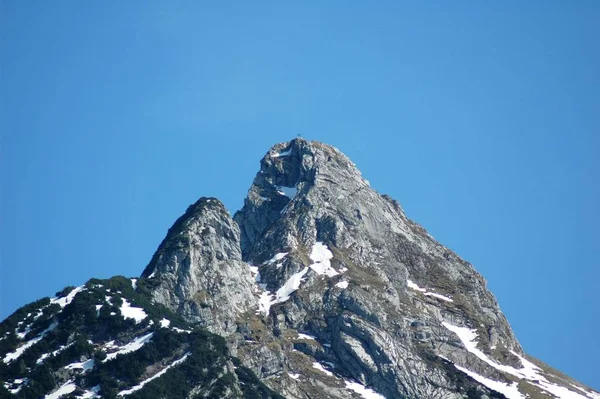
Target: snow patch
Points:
x,y
134,283
282,154
16,385
19,351
130,312
363,391
510,391
65,389
266,299
342,284
294,376
64,301
275,258
322,369
54,353
321,256
92,393
415,287
439,296
85,366
130,347
165,323
529,371
179,330
289,192
306,336
155,376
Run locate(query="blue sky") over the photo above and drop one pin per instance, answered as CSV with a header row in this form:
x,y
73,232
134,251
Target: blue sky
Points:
x,y
483,121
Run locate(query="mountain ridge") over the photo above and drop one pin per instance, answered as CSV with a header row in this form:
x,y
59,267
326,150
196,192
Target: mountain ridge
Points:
x,y
322,287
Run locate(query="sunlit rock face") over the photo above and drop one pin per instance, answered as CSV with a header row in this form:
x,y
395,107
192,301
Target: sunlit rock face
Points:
x,y
198,269
325,289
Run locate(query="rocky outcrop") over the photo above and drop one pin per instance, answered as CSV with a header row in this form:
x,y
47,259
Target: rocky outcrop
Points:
x,y
327,289
198,269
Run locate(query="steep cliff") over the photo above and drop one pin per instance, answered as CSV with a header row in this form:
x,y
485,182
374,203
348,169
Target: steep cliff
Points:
x,y
346,290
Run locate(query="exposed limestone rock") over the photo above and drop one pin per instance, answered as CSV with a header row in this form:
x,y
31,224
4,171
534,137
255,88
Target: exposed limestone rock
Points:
x,y
199,271
318,251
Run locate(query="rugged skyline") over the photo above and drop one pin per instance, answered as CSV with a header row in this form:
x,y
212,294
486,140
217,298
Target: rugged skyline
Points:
x,y
319,286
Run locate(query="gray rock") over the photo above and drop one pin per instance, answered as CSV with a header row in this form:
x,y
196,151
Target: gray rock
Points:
x,y
343,263
199,269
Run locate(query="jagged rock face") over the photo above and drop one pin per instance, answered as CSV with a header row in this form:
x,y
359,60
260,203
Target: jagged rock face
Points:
x,y
379,328
321,287
199,271
318,251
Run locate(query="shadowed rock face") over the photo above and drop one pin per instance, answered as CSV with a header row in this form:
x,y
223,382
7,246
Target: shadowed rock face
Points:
x,y
319,252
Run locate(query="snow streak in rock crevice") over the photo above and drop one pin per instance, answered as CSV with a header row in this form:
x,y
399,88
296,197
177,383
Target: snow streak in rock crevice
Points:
x,y
415,287
128,348
20,350
155,376
363,391
321,257
529,372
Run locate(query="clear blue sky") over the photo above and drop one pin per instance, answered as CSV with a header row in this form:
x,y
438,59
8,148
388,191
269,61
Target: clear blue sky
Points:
x,y
483,121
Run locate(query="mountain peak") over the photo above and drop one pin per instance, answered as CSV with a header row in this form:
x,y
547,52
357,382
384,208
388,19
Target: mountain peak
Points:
x,y
295,173
298,161
320,285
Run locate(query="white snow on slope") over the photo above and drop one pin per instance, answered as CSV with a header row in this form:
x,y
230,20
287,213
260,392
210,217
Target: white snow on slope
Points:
x,y
165,323
289,192
291,285
266,299
130,312
155,376
415,287
275,258
64,301
510,391
65,389
532,372
54,353
363,391
294,376
16,385
130,347
321,256
85,366
19,351
92,393
179,330
282,154
342,284
529,371
22,335
438,296
322,369
306,336
264,302
134,283
469,339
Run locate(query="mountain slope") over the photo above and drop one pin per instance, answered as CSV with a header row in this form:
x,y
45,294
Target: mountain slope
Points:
x,y
322,288
106,339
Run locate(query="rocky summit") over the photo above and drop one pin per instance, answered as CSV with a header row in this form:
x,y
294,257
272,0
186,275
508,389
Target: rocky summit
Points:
x,y
319,287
